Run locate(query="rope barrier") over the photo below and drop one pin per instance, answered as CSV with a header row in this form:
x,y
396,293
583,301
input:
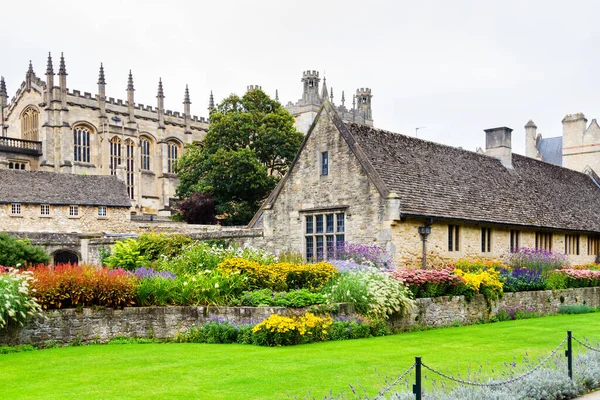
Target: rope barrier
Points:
x,y
587,346
395,382
494,384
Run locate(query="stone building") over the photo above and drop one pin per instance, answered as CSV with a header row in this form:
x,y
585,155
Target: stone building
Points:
x,y
426,203
306,109
48,127
578,148
39,201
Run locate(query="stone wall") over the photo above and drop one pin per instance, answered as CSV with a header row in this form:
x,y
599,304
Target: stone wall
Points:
x,y
444,311
87,325
64,326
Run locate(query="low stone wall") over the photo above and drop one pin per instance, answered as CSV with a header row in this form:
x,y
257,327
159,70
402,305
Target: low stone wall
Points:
x,y
64,326
87,325
447,310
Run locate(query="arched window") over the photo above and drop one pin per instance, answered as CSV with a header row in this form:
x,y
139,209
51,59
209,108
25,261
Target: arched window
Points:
x,y
145,154
81,144
129,164
115,154
172,156
30,124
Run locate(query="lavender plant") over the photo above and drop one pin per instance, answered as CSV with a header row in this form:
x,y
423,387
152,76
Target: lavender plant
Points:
x,y
522,279
144,273
540,260
360,254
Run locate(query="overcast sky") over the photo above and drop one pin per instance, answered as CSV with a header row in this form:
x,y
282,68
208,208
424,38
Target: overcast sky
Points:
x,y
454,67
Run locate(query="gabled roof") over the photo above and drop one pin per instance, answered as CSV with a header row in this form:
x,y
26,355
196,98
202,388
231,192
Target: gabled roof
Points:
x,y
435,180
439,181
38,187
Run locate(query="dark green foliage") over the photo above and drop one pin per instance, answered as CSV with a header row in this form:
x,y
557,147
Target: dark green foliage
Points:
x,y
250,144
199,208
576,309
20,251
293,298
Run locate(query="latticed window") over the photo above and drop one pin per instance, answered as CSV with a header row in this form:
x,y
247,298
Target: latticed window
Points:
x,y
81,144
543,241
129,166
30,124
45,209
323,234
102,211
145,154
73,211
115,154
15,209
172,156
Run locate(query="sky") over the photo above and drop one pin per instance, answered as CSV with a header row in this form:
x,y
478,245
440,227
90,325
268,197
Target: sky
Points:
x,y
450,68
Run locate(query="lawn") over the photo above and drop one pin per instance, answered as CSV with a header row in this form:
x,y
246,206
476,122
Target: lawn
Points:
x,y
174,371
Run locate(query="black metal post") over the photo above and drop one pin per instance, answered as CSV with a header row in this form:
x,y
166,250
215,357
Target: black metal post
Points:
x,y
569,354
417,385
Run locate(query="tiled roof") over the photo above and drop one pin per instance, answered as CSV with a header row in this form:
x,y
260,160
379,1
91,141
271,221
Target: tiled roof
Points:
x,y
435,180
38,187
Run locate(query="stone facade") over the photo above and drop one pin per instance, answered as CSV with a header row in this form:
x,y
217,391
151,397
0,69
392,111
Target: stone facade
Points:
x,y
30,219
138,142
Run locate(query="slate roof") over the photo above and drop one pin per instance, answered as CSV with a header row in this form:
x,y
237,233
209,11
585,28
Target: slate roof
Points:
x,y
435,180
551,150
38,187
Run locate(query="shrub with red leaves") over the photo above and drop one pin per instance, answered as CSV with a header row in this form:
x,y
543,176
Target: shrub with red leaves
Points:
x,y
199,208
68,286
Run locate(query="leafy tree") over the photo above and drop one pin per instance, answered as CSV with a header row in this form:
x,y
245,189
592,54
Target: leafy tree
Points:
x,y
250,144
15,251
198,209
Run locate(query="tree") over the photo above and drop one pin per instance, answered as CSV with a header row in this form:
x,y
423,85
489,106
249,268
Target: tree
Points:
x,y
15,251
250,145
198,209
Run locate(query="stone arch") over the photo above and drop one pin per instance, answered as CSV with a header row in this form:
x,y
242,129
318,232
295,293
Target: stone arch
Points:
x,y
64,256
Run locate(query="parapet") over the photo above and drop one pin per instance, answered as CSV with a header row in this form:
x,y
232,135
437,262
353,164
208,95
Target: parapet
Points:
x,y
310,74
363,91
574,117
253,87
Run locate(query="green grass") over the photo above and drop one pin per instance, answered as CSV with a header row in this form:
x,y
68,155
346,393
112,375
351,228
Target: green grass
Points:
x,y
175,371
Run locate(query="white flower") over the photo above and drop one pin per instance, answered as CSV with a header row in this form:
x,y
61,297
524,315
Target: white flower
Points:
x,y
216,285
185,283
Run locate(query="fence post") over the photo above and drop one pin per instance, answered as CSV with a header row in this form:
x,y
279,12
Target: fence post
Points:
x,y
569,354
417,385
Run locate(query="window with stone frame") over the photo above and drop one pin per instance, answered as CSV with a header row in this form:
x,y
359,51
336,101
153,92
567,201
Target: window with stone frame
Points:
x,y
15,209
593,245
543,241
73,211
572,244
17,165
45,210
129,167
486,240
323,234
325,163
172,156
145,154
30,118
101,211
81,143
115,154
515,241
453,238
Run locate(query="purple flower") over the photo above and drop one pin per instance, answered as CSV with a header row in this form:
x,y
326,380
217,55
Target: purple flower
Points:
x,y
372,255
143,273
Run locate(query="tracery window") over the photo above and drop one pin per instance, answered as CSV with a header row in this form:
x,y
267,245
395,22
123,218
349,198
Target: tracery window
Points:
x,y
145,154
172,156
30,124
129,165
115,154
81,144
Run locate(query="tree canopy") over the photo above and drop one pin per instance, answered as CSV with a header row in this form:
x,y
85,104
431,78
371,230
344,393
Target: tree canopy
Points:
x,y
250,145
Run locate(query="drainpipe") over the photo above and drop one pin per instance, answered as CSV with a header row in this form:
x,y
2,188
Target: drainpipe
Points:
x,y
424,231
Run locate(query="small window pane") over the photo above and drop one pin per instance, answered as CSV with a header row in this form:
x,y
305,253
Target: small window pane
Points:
x,y
102,211
309,248
340,223
319,219
324,163
45,209
319,247
339,241
330,246
329,223
309,224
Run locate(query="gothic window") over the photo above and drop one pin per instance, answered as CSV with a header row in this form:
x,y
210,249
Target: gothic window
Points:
x,y
81,144
17,165
172,156
29,124
129,165
145,154
115,154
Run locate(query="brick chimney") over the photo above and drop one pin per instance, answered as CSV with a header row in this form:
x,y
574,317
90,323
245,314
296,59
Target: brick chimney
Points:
x,y
498,145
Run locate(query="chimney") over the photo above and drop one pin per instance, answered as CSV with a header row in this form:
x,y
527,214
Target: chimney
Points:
x,y
531,149
498,145
574,126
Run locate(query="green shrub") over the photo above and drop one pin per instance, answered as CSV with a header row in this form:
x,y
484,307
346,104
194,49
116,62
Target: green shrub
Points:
x,y
556,280
576,309
126,254
15,252
268,297
157,246
15,302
